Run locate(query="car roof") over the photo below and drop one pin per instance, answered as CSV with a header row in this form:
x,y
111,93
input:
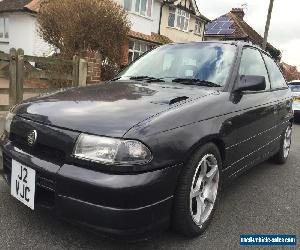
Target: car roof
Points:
x,y
237,43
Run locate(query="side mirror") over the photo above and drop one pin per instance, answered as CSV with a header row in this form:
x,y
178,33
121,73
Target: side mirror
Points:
x,y
250,82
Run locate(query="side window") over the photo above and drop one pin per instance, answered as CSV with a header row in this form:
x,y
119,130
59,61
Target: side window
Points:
x,y
252,64
276,77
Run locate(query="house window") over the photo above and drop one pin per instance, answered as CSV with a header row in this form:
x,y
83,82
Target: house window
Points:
x,y
183,19
4,28
137,48
141,7
128,4
198,27
178,18
172,16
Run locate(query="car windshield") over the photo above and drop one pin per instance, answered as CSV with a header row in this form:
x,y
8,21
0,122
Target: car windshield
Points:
x,y
199,62
295,88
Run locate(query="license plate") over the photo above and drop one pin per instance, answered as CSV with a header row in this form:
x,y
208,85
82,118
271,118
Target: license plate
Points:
x,y
23,183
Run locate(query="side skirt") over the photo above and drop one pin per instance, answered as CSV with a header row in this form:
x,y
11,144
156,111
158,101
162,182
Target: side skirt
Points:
x,y
260,158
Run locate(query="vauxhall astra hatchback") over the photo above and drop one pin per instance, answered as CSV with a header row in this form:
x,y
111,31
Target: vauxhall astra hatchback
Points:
x,y
151,148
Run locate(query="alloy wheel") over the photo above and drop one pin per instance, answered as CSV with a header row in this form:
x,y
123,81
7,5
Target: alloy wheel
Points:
x,y
287,141
204,189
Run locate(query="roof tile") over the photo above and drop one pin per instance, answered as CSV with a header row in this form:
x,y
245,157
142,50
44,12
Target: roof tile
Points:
x,y
34,5
154,37
243,31
13,5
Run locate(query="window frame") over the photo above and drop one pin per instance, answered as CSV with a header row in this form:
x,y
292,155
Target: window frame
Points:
x,y
172,8
5,28
268,87
179,14
199,25
271,87
228,80
149,46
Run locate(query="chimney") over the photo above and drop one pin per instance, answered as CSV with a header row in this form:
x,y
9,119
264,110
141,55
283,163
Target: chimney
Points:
x,y
239,12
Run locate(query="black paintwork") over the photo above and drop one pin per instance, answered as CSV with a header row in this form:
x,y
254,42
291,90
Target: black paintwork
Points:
x,y
110,109
172,119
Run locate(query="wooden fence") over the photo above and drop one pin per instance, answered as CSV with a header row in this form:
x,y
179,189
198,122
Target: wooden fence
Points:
x,y
18,74
8,59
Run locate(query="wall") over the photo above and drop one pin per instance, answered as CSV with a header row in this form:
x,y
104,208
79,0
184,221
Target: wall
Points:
x,y
143,24
23,34
178,35
94,66
40,47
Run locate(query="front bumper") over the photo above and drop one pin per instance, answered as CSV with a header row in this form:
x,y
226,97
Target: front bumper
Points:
x,y
118,204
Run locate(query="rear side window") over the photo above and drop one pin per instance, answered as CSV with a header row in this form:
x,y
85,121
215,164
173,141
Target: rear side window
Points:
x,y
252,64
276,77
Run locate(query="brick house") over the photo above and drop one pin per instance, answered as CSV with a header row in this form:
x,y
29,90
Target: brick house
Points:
x,y
154,22
19,29
139,43
232,26
159,22
144,16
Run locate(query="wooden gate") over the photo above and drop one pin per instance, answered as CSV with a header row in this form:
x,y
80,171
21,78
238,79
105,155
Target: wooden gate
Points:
x,y
5,60
22,68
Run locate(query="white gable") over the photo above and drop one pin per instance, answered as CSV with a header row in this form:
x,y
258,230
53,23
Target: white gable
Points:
x,y
190,4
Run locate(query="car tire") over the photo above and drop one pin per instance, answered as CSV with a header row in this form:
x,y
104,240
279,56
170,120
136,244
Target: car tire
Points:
x,y
285,145
201,182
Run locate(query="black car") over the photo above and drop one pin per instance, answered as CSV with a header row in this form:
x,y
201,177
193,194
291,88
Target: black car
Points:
x,y
151,148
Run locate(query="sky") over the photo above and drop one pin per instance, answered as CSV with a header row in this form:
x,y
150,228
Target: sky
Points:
x,y
284,31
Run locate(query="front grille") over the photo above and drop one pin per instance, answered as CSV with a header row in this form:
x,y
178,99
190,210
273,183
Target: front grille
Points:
x,y
51,144
45,183
44,197
45,186
39,150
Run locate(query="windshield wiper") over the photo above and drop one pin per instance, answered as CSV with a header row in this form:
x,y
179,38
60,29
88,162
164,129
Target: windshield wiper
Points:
x,y
141,78
146,78
192,81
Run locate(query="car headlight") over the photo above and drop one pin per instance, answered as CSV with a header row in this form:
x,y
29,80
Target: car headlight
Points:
x,y
9,118
110,150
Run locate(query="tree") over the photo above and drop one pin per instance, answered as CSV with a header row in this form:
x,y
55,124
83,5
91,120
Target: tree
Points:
x,y
76,26
290,72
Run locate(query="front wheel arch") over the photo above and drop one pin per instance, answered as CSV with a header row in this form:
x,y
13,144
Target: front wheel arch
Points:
x,y
181,218
215,139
